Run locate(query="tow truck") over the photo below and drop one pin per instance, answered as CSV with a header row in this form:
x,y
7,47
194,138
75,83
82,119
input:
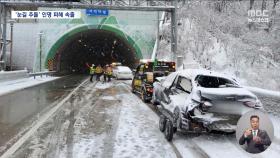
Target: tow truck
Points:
x,y
146,73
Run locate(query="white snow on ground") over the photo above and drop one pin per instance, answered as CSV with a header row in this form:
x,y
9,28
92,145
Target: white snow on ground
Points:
x,y
101,85
219,146
108,98
89,147
187,148
276,125
138,134
227,146
224,146
14,85
86,145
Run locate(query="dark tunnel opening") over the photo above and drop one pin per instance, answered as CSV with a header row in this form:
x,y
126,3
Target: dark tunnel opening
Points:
x,y
94,47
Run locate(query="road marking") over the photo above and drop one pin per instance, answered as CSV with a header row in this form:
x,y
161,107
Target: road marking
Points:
x,y
40,122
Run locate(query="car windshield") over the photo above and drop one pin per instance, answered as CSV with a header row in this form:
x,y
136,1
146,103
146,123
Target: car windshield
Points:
x,y
214,82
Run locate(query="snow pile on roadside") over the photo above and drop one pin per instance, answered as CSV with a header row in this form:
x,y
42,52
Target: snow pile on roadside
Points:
x,y
14,85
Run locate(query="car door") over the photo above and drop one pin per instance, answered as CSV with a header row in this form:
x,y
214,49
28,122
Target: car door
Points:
x,y
164,88
179,92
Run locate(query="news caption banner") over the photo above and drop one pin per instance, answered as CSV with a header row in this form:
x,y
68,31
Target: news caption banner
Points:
x,y
46,14
57,14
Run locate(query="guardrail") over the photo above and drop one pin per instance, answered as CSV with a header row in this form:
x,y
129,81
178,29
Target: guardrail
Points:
x,y
46,73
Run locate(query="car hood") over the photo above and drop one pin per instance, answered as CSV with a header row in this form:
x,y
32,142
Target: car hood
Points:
x,y
226,93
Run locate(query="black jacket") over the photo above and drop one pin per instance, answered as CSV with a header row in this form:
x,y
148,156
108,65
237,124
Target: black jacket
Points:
x,y
253,147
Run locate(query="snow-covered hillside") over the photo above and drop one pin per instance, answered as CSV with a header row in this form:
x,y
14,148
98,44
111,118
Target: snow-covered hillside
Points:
x,y
217,35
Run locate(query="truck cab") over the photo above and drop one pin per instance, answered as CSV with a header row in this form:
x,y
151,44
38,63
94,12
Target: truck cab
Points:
x,y
145,75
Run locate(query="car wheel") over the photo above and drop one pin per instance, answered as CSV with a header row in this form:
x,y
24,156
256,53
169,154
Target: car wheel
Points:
x,y
133,89
162,123
177,119
169,130
174,129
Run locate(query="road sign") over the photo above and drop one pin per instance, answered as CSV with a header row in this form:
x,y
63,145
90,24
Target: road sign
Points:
x,y
97,12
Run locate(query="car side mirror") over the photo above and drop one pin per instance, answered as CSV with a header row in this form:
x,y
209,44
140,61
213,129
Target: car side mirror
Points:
x,y
133,71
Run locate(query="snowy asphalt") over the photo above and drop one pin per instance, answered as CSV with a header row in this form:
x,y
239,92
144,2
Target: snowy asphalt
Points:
x,y
107,120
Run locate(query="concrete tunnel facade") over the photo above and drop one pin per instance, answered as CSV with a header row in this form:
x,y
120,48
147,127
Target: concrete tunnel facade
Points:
x,y
120,37
92,44
54,43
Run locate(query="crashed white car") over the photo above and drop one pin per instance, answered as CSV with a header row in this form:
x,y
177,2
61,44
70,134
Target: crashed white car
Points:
x,y
201,100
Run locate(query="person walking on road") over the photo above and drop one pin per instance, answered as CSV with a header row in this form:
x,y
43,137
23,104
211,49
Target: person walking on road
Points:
x,y
109,72
91,71
98,72
105,74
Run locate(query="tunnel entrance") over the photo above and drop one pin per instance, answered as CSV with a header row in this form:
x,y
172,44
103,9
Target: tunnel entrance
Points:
x,y
94,46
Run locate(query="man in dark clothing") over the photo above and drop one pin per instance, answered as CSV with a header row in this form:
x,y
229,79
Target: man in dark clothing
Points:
x,y
257,140
105,73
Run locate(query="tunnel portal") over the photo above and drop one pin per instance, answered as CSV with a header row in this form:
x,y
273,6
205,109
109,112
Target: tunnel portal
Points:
x,y
94,46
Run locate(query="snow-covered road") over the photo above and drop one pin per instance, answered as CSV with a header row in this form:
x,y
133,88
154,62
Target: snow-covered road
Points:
x,y
107,120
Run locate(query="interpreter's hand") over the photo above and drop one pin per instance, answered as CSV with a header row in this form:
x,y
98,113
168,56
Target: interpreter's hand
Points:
x,y
257,139
247,132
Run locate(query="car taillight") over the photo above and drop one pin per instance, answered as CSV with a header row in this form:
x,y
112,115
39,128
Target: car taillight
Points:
x,y
150,90
146,66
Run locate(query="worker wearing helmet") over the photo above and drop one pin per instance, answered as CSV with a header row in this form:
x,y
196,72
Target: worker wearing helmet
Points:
x,y
98,72
91,71
109,72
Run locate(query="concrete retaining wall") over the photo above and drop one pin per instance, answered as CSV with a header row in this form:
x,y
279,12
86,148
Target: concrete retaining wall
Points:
x,y
13,75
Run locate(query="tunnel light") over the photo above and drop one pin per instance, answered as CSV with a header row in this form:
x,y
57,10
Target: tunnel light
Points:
x,y
80,40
